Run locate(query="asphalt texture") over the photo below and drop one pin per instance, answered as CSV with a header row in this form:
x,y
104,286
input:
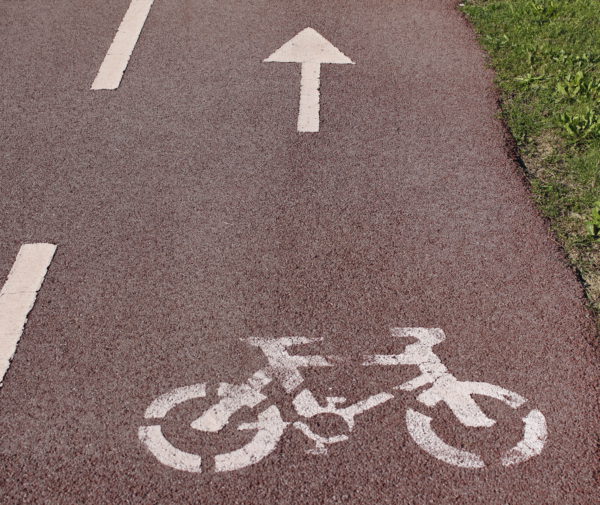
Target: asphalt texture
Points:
x,y
189,213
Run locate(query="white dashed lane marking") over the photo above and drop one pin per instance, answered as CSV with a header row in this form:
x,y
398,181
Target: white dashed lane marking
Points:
x,y
116,59
18,296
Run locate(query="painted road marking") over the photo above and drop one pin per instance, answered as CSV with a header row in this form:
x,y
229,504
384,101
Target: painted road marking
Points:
x,y
311,50
285,368
167,453
116,59
18,296
534,439
419,427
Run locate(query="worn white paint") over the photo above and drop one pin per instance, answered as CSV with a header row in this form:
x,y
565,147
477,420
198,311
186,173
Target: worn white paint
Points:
x,y
419,428
161,406
534,439
269,428
310,49
153,438
233,398
419,353
308,111
116,59
283,366
18,296
307,406
457,395
320,442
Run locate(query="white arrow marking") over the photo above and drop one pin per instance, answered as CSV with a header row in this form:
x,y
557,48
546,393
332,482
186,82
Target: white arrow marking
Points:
x,y
116,59
18,296
311,50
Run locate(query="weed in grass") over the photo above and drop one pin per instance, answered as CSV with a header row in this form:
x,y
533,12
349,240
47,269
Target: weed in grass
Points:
x,y
575,60
530,80
593,225
543,10
499,41
591,88
575,85
581,126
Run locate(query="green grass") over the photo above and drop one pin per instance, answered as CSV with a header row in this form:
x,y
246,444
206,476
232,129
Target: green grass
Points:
x,y
546,54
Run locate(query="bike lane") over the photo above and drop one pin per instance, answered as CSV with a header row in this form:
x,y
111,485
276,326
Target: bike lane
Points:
x,y
189,213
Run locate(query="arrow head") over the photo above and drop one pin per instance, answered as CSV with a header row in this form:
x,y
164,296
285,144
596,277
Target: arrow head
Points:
x,y
309,47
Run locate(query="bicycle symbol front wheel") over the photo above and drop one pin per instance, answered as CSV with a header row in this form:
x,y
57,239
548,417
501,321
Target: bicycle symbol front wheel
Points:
x,y
535,432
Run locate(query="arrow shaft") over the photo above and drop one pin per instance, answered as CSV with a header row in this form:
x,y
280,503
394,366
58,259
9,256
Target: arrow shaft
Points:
x,y
308,116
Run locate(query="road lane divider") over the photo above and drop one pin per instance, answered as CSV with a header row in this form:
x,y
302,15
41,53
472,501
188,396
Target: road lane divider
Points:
x,y
18,296
116,59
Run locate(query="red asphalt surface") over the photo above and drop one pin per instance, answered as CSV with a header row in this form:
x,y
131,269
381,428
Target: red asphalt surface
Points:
x,y
189,213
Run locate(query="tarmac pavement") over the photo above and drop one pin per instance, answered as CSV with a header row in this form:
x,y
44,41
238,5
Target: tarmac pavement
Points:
x,y
190,214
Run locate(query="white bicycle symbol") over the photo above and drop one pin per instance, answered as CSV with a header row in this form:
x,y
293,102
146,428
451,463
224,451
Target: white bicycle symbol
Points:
x,y
285,368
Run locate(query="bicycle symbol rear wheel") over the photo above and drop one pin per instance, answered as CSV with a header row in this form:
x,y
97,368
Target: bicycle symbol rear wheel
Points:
x,y
268,428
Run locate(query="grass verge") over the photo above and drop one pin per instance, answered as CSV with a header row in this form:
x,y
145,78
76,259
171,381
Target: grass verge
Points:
x,y
546,54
